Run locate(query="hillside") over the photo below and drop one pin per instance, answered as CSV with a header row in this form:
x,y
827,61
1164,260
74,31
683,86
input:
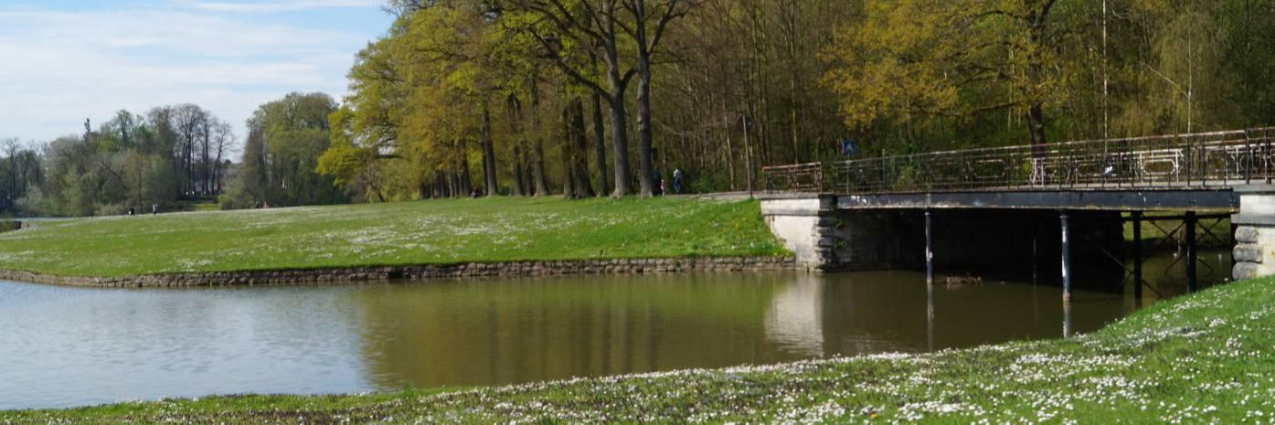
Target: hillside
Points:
x,y
429,232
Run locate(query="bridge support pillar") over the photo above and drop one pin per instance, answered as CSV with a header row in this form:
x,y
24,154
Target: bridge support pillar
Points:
x,y
1066,257
1254,253
1191,260
807,225
825,238
929,247
1138,282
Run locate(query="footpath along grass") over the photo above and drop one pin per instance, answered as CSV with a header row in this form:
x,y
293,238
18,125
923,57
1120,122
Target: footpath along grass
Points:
x,y
430,232
1207,358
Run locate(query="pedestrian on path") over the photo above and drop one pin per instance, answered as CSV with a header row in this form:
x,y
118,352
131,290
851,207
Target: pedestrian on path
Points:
x,y
677,181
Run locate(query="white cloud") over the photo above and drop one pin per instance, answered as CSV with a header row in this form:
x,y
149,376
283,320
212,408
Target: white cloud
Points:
x,y
57,68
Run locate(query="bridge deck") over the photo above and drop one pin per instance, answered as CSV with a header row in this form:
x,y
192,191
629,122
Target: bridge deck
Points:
x,y
1224,200
1163,172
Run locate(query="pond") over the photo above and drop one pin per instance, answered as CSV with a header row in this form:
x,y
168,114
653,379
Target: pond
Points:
x,y
63,347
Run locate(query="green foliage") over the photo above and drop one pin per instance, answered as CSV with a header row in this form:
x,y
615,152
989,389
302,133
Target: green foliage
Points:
x,y
21,174
286,140
414,109
920,75
131,162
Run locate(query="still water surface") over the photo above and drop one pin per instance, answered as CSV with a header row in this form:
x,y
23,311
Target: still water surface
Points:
x,y
63,347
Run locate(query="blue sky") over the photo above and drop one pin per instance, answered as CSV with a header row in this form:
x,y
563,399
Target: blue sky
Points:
x,y
62,61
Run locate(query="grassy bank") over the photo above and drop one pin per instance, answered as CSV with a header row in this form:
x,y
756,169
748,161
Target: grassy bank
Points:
x,y
1204,358
432,232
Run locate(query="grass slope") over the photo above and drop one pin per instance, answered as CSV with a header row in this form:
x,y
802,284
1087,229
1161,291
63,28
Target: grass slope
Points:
x,y
432,232
1204,358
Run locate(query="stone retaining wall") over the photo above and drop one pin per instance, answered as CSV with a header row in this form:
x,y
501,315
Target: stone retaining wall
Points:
x,y
420,272
1254,251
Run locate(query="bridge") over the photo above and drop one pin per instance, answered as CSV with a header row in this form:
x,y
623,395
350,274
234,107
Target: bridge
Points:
x,y
1072,197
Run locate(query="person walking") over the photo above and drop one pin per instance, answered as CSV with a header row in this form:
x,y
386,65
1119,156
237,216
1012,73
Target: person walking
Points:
x,y
677,181
659,183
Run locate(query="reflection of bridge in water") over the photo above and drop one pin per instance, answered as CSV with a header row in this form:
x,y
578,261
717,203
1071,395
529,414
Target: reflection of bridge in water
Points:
x,y
1008,207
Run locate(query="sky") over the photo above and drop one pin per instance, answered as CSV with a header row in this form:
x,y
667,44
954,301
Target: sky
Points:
x,y
64,61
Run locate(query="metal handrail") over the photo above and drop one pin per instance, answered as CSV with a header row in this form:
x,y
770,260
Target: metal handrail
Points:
x,y
1199,160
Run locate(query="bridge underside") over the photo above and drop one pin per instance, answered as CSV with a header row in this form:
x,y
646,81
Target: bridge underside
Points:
x,y
1221,201
1084,187
987,229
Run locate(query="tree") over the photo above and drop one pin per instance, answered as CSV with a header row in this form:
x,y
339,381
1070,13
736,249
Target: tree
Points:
x,y
422,95
650,20
286,139
563,28
912,59
577,144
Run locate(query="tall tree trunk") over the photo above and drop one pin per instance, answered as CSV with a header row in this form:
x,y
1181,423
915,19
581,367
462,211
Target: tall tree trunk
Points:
x,y
538,149
538,168
453,183
517,160
466,182
619,115
599,143
579,166
1035,72
619,136
646,44
568,186
524,159
646,154
489,154
1036,125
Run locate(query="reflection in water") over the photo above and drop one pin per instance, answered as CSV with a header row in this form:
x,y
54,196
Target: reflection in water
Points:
x,y
929,317
794,320
1066,320
63,347
471,333
67,346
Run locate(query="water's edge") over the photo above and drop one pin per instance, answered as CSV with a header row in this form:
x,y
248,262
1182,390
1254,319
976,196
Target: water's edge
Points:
x,y
418,272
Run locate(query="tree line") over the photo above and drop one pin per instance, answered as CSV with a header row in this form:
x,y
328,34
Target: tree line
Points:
x,y
132,162
173,157
599,97
593,97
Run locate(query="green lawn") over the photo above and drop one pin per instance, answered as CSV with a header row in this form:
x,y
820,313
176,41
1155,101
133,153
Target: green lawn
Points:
x,y
1203,358
430,232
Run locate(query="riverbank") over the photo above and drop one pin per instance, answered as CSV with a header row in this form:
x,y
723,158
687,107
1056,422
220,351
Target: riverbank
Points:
x,y
1203,358
420,272
451,238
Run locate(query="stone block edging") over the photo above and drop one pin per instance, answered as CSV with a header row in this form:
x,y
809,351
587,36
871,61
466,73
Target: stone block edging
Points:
x,y
419,272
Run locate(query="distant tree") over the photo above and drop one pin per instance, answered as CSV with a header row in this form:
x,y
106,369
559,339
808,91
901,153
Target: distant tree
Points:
x,y
286,139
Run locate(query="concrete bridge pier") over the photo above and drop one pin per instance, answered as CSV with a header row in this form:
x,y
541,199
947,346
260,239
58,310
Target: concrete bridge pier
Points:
x,y
1254,233
826,238
806,225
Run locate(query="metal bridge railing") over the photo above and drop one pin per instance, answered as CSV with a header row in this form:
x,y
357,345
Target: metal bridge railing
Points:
x,y
1199,160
